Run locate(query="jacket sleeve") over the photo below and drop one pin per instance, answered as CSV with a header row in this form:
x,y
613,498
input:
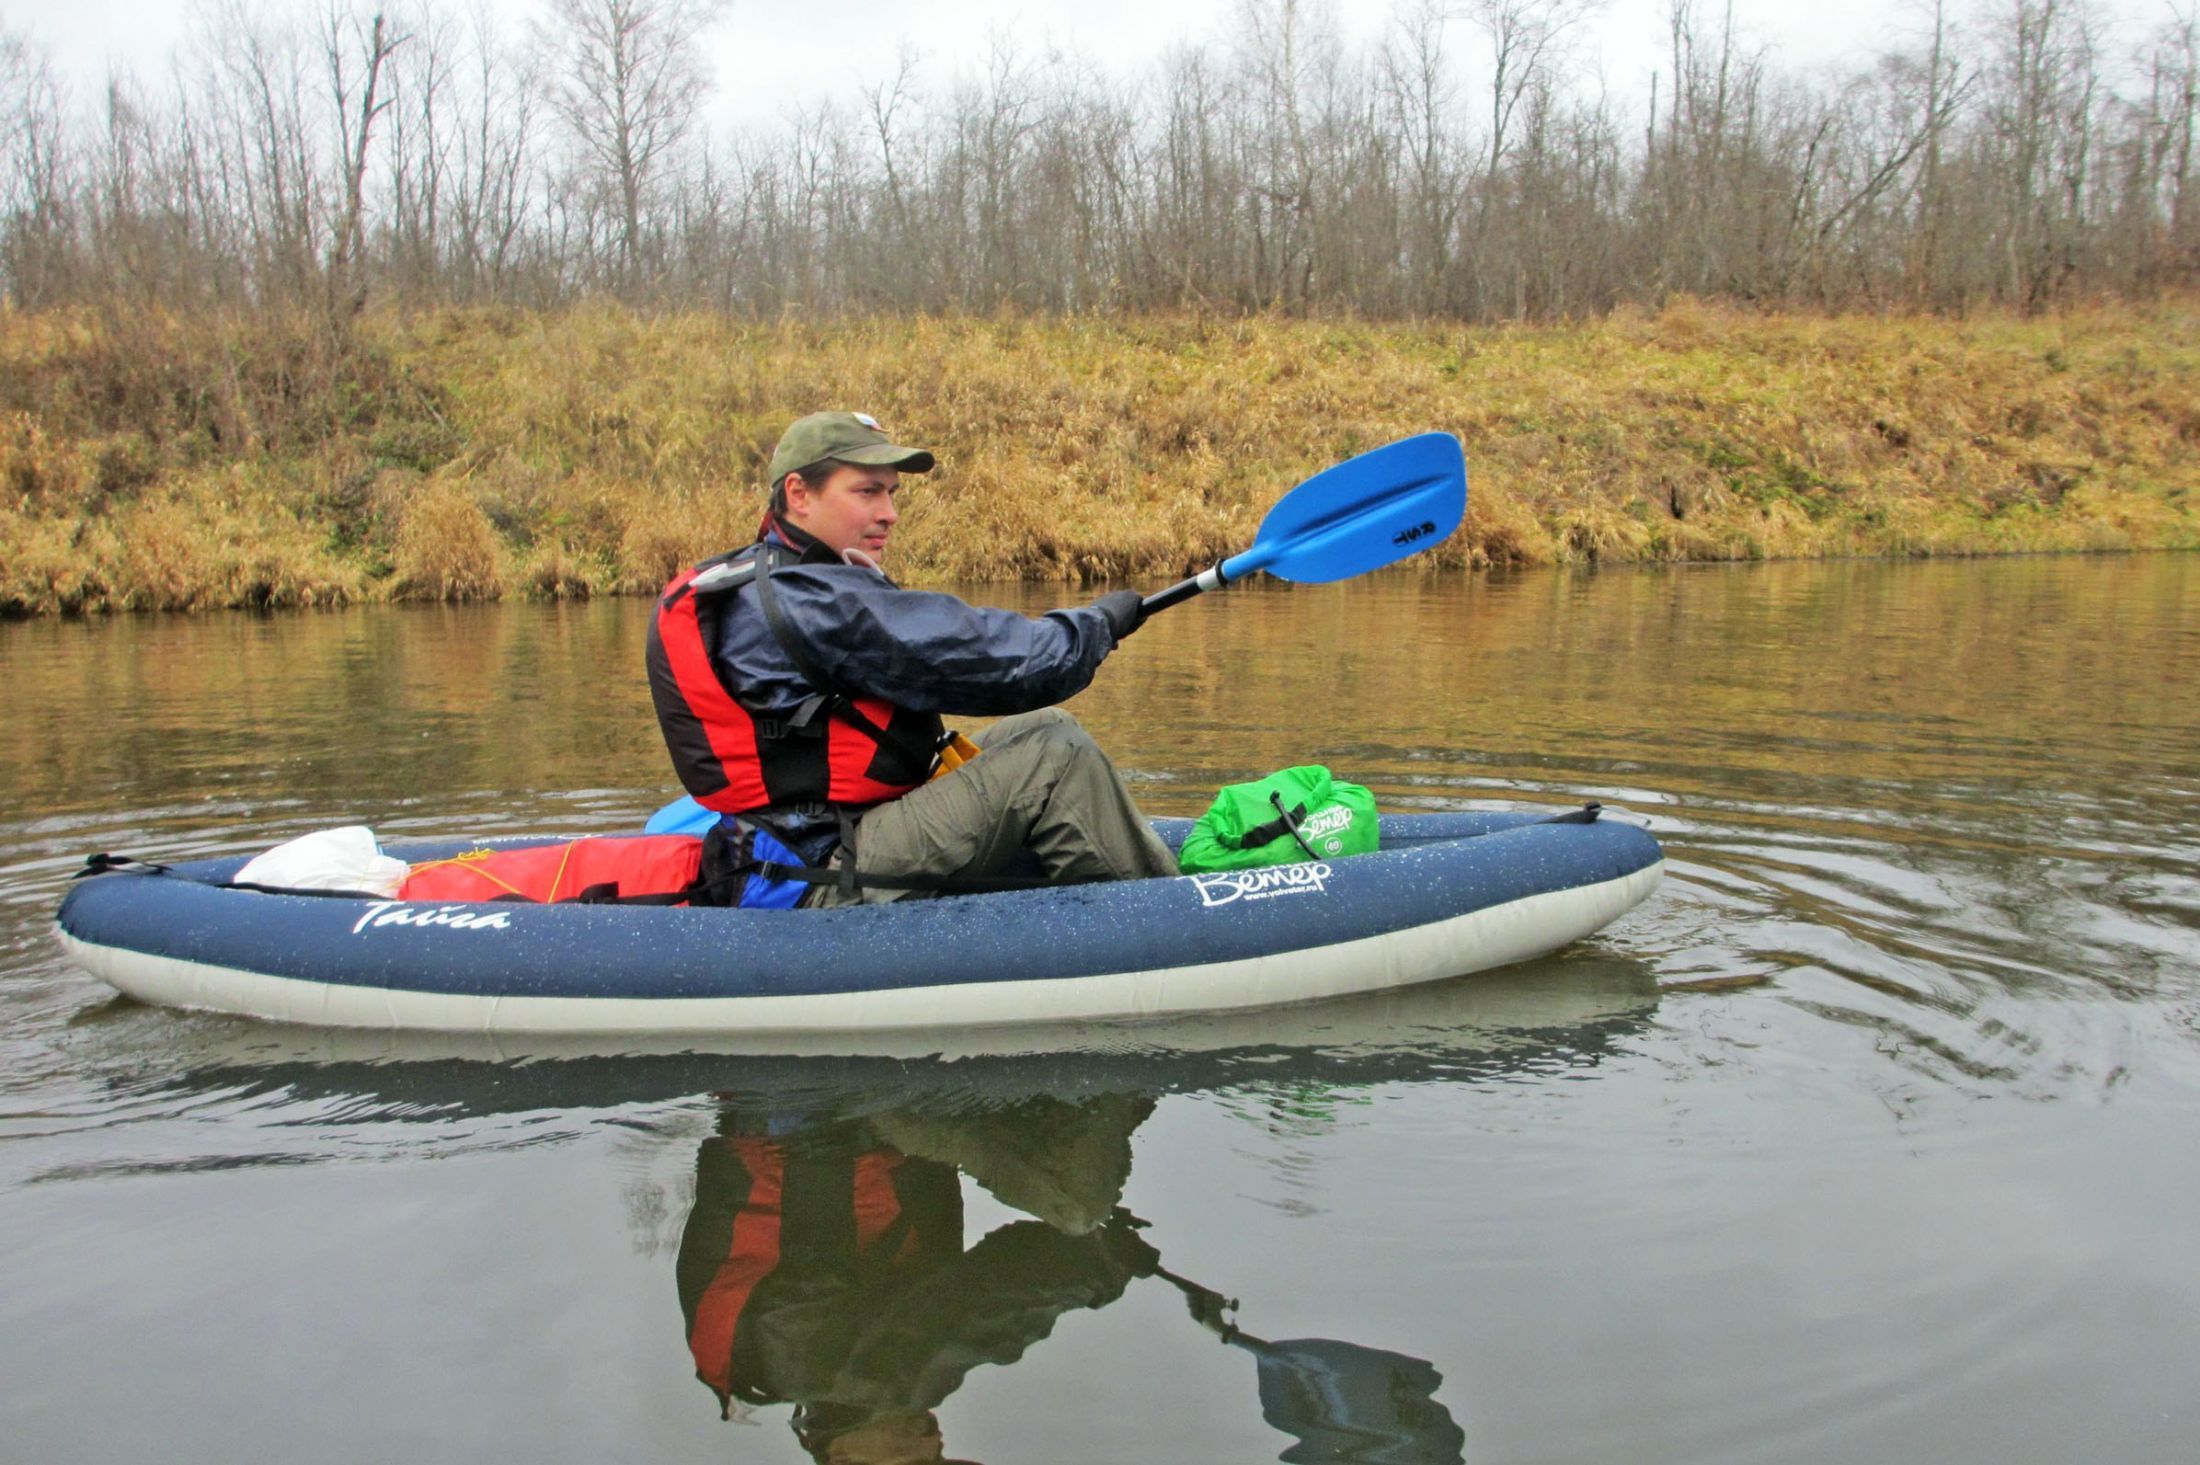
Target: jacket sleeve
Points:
x,y
931,652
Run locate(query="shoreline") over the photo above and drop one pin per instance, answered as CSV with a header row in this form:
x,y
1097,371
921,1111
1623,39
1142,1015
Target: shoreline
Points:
x,y
150,462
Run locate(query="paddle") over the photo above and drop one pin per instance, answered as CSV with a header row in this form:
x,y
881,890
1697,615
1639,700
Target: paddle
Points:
x,y
1364,513
1339,1401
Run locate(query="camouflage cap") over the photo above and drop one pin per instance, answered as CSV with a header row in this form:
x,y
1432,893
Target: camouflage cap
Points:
x,y
846,437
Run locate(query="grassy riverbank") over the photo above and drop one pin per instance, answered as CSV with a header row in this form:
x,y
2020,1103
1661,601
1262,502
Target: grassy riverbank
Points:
x,y
147,462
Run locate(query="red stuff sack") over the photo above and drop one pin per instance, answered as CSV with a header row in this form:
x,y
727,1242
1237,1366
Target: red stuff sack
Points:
x,y
646,864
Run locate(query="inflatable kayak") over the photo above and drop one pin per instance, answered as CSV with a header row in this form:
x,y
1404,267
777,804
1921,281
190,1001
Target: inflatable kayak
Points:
x,y
1446,895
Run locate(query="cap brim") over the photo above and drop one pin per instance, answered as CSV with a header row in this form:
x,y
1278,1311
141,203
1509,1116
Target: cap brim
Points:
x,y
886,455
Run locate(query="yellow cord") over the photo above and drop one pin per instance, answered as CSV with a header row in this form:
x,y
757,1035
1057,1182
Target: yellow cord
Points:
x,y
563,860
472,856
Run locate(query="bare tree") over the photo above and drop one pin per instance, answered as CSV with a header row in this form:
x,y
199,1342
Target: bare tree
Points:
x,y
33,132
355,53
888,105
2041,95
1527,41
2159,204
628,81
424,101
1421,95
1468,166
496,149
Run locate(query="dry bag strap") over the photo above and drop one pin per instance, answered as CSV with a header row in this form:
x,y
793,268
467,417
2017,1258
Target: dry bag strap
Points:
x,y
1287,821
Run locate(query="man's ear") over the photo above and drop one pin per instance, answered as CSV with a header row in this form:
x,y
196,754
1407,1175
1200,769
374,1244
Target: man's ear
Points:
x,y
795,493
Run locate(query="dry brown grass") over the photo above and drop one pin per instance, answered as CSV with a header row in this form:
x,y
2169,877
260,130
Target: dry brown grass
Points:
x,y
467,454
446,548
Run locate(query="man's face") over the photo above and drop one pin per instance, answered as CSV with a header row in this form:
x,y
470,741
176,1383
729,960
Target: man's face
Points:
x,y
852,509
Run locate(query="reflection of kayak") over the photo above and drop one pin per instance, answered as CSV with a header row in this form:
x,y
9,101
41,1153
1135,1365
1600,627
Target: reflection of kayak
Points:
x,y
1448,894
1563,1015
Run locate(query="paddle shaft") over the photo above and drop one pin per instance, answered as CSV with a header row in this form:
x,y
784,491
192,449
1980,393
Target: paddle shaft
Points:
x,y
1183,590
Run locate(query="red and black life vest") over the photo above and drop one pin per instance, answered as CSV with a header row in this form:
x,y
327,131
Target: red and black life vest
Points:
x,y
839,748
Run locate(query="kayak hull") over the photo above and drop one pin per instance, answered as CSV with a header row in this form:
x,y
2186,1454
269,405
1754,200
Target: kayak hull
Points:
x,y
1447,895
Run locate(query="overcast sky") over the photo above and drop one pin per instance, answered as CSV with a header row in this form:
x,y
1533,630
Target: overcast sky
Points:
x,y
759,42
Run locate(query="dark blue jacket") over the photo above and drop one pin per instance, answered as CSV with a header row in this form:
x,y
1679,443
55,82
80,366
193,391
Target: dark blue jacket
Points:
x,y
919,649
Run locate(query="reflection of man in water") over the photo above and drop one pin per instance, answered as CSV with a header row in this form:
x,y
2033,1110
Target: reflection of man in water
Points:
x,y
827,1269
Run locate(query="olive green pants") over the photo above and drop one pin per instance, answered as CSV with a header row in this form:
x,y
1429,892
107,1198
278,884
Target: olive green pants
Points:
x,y
1041,785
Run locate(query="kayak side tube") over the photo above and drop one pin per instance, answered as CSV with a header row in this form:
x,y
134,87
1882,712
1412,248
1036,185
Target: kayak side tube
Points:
x,y
1448,895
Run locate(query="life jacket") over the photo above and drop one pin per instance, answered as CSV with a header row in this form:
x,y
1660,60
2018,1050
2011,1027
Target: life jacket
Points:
x,y
838,748
734,865
613,870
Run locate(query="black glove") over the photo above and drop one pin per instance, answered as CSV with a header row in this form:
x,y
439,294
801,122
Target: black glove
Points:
x,y
1125,611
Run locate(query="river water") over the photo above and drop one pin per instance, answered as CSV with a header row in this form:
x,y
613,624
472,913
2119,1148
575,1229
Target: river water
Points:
x,y
1874,1135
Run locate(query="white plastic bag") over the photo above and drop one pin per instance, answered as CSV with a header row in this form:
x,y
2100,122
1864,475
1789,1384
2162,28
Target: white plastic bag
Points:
x,y
328,859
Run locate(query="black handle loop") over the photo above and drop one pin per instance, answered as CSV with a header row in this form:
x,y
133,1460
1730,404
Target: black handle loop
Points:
x,y
104,863
1287,821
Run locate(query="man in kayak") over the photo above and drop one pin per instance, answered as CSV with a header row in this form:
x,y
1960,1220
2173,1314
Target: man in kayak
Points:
x,y
801,690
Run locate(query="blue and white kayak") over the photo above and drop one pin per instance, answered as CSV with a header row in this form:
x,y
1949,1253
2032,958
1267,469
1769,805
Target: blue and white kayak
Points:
x,y
1447,894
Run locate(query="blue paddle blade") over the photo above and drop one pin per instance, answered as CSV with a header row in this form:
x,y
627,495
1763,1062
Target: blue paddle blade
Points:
x,y
1365,513
1342,1402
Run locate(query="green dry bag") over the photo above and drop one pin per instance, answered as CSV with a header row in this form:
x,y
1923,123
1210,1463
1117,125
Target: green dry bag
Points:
x,y
1297,814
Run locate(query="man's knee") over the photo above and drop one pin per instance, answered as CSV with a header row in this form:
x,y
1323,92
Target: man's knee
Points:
x,y
1048,724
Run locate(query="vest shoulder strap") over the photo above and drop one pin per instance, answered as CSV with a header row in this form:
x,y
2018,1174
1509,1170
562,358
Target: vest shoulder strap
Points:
x,y
839,700
761,568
